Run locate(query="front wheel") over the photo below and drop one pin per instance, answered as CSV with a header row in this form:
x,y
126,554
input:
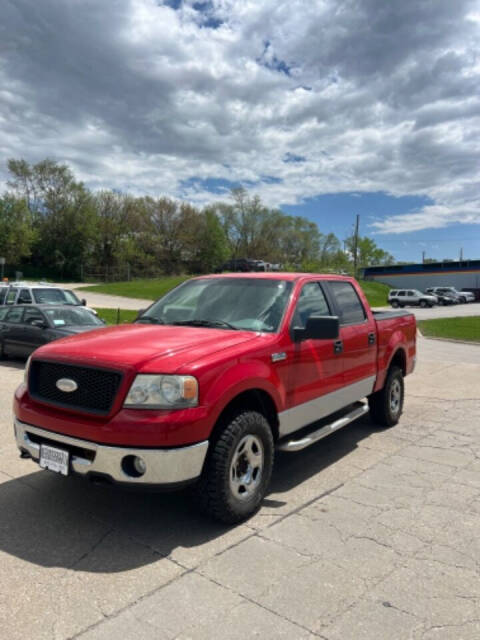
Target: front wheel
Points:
x,y
423,303
238,468
395,304
386,405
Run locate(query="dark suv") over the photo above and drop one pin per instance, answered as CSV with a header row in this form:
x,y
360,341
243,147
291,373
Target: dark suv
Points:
x,y
240,264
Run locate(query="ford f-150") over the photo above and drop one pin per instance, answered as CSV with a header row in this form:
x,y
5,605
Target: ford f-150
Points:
x,y
210,380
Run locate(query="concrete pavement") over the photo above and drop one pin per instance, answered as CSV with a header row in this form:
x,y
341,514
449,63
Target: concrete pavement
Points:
x,y
368,534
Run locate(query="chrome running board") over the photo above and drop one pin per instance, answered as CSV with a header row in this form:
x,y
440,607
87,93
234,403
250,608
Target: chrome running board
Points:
x,y
325,430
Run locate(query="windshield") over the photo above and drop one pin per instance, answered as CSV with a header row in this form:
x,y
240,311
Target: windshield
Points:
x,y
78,317
55,296
230,303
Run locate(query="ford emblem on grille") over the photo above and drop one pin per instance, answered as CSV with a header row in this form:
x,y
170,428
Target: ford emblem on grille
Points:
x,y
66,384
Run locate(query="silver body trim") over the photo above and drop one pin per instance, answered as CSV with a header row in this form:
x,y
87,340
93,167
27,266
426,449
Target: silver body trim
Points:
x,y
326,430
308,412
164,466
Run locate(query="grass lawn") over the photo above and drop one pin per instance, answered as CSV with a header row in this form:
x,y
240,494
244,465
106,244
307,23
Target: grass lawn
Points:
x,y
376,292
110,315
464,328
149,289
155,288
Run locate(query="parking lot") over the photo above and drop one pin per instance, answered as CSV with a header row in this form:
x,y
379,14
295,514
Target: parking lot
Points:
x,y
454,311
368,534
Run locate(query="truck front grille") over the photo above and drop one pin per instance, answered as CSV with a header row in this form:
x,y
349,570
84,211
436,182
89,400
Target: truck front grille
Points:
x,y
96,390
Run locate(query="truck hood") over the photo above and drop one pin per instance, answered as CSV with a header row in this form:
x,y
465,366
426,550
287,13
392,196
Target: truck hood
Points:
x,y
143,347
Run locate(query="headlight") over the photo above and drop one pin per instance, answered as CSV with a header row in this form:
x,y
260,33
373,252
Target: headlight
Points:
x,y
162,392
27,369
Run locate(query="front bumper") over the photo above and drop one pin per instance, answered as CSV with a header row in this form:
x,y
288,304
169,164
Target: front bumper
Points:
x,y
163,466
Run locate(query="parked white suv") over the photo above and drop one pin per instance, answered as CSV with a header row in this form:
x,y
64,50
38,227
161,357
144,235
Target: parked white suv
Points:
x,y
411,297
28,293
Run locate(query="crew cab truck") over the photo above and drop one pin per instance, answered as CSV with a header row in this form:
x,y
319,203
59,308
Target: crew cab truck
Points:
x,y
210,380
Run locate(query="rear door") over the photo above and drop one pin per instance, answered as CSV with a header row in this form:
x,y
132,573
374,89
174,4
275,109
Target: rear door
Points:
x,y
357,340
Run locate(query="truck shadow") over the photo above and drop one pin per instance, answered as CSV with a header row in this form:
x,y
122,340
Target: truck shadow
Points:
x,y
66,522
13,363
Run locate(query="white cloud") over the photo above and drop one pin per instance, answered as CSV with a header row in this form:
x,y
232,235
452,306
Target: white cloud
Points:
x,y
133,94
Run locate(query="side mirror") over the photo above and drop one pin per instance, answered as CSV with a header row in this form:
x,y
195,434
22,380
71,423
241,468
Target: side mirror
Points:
x,y
39,323
84,302
318,328
140,314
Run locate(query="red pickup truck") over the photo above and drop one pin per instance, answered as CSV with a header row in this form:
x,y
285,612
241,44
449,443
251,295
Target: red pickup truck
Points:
x,y
210,380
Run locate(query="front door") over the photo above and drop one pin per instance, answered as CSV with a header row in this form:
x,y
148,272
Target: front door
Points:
x,y
314,373
34,336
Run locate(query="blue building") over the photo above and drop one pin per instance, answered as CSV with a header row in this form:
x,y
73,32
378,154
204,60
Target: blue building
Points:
x,y
463,274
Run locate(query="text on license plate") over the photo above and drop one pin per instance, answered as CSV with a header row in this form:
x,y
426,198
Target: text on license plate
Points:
x,y
54,459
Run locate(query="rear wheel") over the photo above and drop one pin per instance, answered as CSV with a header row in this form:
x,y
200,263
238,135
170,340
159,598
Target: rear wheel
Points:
x,y
238,468
423,303
386,405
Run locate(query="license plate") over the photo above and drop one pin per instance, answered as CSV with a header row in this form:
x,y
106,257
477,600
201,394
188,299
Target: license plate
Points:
x,y
54,459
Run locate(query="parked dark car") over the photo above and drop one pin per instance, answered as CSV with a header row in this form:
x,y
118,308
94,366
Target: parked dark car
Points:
x,y
244,265
24,328
443,299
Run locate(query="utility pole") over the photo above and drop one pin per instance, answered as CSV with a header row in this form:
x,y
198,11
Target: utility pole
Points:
x,y
461,254
355,246
423,257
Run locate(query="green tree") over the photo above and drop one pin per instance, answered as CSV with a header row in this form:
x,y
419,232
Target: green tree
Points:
x,y
368,252
62,212
211,248
16,231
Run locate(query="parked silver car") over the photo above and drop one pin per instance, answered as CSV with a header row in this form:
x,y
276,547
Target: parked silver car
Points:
x,y
410,297
461,296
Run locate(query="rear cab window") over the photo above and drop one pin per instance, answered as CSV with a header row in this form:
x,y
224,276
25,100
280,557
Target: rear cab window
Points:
x,y
350,307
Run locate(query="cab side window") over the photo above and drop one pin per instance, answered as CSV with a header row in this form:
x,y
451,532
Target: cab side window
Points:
x,y
311,302
349,305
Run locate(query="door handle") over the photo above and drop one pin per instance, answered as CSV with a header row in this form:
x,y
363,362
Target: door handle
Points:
x,y
338,346
371,338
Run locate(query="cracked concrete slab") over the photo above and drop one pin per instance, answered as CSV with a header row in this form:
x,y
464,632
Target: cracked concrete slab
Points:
x,y
370,534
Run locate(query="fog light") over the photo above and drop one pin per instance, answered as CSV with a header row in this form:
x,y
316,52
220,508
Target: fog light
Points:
x,y
133,466
139,465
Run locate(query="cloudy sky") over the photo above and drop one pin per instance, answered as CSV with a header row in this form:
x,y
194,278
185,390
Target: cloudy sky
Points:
x,y
326,108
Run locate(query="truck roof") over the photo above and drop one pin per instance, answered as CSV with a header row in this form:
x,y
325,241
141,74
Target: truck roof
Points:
x,y
275,275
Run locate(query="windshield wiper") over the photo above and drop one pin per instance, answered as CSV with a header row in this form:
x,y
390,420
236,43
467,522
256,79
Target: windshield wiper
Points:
x,y
148,320
205,323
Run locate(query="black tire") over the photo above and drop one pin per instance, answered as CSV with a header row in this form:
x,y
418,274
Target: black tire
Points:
x,y
223,465
3,355
395,304
383,409
423,303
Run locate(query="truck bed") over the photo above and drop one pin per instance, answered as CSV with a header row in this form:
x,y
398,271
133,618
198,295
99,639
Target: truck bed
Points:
x,y
388,315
